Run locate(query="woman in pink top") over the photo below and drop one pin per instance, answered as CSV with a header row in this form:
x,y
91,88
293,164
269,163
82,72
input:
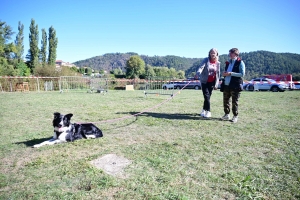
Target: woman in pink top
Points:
x,y
209,74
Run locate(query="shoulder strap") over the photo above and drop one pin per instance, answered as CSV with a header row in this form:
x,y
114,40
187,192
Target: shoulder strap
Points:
x,y
237,62
226,65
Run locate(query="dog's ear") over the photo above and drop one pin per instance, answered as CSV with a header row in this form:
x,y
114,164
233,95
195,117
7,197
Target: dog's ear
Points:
x,y
56,114
69,115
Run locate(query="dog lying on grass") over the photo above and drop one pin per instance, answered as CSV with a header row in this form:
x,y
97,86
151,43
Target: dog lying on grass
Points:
x,y
65,131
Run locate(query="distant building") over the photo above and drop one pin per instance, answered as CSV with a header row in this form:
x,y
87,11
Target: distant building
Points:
x,y
60,63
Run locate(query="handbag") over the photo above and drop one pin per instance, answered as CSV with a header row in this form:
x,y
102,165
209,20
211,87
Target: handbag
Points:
x,y
222,85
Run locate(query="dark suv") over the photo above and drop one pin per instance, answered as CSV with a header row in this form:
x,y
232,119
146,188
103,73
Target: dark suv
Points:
x,y
192,85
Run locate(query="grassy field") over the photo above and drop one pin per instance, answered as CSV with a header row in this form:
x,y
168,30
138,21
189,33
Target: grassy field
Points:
x,y
175,154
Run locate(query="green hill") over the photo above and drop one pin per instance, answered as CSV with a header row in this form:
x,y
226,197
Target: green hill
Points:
x,y
111,61
257,63
260,63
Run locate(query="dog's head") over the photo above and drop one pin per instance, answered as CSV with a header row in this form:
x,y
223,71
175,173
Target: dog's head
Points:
x,y
61,121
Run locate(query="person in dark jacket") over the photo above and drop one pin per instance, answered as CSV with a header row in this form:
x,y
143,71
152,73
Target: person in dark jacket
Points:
x,y
233,83
209,74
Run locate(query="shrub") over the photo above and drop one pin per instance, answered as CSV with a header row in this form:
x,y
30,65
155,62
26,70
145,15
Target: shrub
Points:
x,y
53,71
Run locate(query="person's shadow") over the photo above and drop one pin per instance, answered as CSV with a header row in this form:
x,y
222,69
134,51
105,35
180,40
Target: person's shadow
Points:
x,y
30,143
120,126
176,116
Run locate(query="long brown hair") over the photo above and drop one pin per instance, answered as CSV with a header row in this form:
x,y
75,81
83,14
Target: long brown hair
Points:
x,y
215,50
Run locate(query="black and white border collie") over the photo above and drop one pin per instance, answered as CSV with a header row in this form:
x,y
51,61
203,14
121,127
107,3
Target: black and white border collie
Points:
x,y
65,131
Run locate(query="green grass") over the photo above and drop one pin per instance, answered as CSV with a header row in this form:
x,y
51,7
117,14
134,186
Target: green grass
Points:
x,y
175,154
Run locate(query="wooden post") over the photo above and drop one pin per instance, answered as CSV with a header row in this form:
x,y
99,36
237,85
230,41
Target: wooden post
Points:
x,y
10,85
38,84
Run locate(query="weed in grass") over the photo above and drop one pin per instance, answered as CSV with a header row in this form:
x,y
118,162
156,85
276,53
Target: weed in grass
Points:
x,y
36,163
3,181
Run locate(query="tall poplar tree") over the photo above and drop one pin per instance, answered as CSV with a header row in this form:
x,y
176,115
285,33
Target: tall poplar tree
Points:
x,y
19,43
7,49
43,52
33,52
52,46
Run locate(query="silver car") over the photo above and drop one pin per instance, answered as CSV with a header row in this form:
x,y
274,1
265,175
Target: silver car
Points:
x,y
266,84
295,86
189,84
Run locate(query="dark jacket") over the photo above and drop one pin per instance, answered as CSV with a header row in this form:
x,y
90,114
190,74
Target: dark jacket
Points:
x,y
235,82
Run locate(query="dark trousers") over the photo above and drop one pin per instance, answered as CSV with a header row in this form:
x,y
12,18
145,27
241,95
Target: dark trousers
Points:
x,y
229,93
207,89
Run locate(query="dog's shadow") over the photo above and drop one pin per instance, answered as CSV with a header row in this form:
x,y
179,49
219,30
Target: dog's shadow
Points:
x,y
30,143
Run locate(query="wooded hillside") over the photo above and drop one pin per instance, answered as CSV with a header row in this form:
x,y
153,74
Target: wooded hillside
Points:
x,y
110,61
257,63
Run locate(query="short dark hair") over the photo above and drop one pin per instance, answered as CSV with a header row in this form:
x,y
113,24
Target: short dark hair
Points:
x,y
235,51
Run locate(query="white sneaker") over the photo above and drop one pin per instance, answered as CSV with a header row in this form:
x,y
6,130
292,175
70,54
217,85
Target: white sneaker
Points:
x,y
225,117
203,113
207,114
234,119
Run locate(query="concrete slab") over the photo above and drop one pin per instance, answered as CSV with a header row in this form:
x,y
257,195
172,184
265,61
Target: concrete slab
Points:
x,y
112,164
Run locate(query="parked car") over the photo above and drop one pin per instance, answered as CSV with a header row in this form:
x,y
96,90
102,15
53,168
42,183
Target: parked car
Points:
x,y
296,86
169,85
192,85
266,84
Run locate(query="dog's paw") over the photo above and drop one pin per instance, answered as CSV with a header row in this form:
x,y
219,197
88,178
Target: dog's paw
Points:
x,y
36,146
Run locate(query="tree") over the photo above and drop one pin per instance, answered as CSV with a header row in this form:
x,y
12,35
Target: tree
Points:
x,y
88,71
161,71
81,70
172,72
19,43
7,69
52,46
33,52
117,71
296,77
7,50
135,67
74,69
181,74
23,70
43,51
149,71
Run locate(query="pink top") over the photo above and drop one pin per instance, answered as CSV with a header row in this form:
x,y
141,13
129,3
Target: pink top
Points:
x,y
212,71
